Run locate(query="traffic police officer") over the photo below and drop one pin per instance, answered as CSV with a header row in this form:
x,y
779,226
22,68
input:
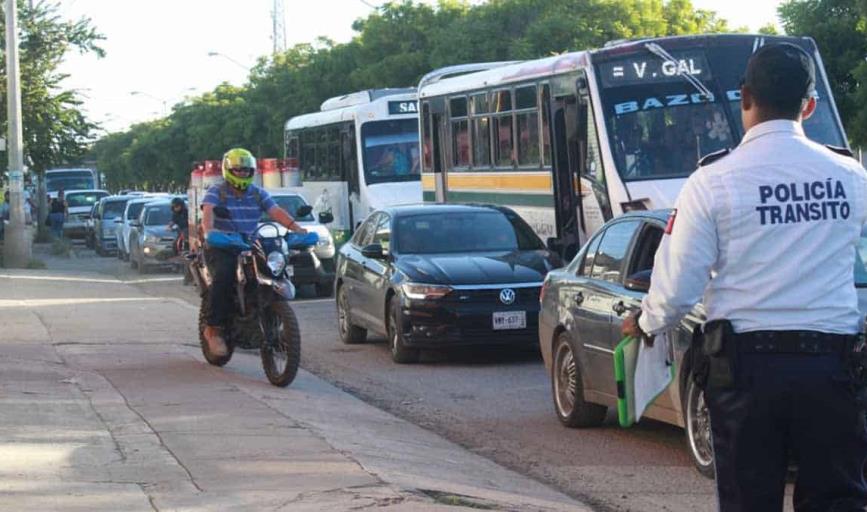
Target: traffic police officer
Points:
x,y
765,237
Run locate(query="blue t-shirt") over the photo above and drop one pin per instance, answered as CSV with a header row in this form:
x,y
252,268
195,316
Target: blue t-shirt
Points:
x,y
246,210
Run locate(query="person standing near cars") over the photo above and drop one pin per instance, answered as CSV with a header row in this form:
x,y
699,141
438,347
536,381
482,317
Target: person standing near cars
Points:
x,y
245,203
57,214
765,236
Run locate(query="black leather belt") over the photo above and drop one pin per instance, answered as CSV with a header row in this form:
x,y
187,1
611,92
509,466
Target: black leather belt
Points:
x,y
794,342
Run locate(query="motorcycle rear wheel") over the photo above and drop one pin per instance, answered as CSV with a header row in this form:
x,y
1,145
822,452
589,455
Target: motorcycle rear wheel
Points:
x,y
281,349
206,351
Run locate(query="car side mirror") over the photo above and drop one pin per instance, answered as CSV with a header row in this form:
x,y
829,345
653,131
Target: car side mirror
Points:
x,y
222,212
135,223
303,211
373,251
326,217
118,220
639,281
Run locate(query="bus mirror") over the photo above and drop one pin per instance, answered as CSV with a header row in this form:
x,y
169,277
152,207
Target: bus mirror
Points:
x,y
326,218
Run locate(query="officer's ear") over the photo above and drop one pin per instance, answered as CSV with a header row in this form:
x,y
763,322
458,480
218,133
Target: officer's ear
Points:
x,y
808,108
746,98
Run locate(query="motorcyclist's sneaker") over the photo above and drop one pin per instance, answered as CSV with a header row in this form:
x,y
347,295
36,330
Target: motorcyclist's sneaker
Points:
x,y
216,343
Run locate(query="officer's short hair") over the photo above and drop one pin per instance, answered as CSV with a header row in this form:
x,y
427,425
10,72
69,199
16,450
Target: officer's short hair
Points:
x,y
780,77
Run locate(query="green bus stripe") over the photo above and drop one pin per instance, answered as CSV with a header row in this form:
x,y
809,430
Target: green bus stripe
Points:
x,y
501,198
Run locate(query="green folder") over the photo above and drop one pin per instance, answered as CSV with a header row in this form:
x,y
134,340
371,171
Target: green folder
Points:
x,y
625,359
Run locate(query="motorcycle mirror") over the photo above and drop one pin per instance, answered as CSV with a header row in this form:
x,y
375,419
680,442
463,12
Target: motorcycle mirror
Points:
x,y
303,211
222,212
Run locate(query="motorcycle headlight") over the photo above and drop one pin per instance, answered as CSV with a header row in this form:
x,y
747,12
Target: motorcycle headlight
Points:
x,y
418,291
276,262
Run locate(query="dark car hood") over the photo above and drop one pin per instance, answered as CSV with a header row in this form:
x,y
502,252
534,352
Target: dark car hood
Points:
x,y
477,268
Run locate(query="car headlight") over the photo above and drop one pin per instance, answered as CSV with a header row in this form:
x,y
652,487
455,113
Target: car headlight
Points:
x,y
276,262
418,291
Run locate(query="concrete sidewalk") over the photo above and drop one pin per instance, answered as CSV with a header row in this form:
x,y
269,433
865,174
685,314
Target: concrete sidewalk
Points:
x,y
107,405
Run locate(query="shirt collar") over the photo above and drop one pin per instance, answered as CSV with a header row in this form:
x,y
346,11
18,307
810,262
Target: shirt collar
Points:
x,y
775,126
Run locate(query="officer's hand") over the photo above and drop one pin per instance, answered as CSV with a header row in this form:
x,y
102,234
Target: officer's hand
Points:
x,y
630,328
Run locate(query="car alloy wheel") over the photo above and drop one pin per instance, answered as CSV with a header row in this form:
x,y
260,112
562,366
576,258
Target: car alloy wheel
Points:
x,y
565,380
698,430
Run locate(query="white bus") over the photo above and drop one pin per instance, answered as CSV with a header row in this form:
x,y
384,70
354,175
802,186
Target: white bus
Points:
x,y
70,179
573,140
358,154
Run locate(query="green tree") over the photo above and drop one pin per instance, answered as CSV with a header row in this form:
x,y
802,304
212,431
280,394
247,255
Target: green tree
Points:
x,y
839,28
394,47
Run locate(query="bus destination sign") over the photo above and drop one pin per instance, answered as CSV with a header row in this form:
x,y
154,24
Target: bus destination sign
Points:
x,y
652,69
402,107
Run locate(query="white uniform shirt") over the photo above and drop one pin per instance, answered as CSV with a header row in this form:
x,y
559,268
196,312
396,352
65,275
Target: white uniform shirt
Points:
x,y
764,237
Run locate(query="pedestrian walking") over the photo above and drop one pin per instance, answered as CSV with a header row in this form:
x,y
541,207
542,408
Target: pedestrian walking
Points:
x,y
765,235
57,214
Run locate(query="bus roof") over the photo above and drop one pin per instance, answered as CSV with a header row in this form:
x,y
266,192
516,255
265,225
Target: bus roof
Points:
x,y
568,62
344,108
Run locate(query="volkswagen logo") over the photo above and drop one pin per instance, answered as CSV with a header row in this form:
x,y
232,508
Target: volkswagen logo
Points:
x,y
507,296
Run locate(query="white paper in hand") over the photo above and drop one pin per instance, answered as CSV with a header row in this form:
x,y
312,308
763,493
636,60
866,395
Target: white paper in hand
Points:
x,y
653,373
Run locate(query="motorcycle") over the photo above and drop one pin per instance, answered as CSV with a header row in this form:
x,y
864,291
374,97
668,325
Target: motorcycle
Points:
x,y
261,317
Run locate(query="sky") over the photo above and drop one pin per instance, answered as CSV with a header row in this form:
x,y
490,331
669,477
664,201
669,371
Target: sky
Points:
x,y
157,51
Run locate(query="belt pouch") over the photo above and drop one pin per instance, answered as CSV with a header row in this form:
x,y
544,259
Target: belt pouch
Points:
x,y
718,346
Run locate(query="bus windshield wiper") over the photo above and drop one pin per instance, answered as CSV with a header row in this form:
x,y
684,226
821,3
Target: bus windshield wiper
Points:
x,y
695,82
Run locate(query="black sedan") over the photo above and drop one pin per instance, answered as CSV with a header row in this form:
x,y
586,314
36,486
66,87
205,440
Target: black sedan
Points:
x,y
437,276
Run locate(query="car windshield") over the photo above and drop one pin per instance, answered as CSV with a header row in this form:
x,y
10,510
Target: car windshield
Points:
x,y
463,232
159,215
79,199
112,209
69,181
134,210
660,125
291,205
391,151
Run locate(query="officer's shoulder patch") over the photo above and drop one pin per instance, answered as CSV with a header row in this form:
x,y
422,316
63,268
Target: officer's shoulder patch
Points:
x,y
841,150
713,157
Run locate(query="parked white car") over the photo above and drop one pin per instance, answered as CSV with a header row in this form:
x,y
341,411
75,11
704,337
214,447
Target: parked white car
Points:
x,y
79,205
131,213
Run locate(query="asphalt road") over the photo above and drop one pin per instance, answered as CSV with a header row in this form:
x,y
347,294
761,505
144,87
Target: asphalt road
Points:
x,y
495,402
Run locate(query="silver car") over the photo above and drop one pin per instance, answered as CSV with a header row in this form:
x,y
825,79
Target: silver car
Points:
x,y
582,309
79,205
151,240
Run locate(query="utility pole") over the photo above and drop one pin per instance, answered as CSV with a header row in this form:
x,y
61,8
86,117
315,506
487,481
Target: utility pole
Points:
x,y
17,243
278,27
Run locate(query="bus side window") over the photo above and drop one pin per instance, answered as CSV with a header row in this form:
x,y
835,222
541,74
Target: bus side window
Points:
x,y
503,129
426,138
481,131
545,97
527,126
460,131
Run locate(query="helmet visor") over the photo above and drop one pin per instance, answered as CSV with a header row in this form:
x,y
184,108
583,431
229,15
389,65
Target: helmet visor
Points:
x,y
242,172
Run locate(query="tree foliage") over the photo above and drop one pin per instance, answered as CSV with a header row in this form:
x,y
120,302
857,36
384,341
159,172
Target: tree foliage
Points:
x,y
56,131
393,47
840,30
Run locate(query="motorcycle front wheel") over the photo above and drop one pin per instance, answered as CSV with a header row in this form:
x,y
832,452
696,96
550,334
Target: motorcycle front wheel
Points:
x,y
281,349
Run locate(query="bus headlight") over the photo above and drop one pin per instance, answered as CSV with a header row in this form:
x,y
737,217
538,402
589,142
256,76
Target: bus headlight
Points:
x,y
276,262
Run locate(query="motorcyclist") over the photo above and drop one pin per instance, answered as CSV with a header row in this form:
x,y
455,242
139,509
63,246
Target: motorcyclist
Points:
x,y
180,221
245,202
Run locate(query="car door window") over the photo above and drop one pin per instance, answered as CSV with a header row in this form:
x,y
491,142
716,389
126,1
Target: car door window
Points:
x,y
382,232
608,263
645,249
589,256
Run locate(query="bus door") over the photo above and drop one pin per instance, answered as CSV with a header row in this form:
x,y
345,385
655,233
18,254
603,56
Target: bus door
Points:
x,y
590,184
563,112
350,165
433,133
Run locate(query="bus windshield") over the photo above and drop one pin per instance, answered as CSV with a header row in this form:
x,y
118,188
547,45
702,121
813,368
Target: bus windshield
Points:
x,y
71,180
391,151
660,125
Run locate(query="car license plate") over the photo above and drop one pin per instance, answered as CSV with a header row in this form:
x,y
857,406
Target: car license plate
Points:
x,y
504,320
290,270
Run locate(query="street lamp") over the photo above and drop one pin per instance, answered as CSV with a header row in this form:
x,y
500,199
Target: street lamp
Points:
x,y
230,59
151,96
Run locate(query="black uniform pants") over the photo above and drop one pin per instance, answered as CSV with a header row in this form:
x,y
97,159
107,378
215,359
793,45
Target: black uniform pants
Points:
x,y
221,266
788,408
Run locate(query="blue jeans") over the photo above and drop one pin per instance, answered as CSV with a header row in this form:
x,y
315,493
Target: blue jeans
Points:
x,y
56,220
